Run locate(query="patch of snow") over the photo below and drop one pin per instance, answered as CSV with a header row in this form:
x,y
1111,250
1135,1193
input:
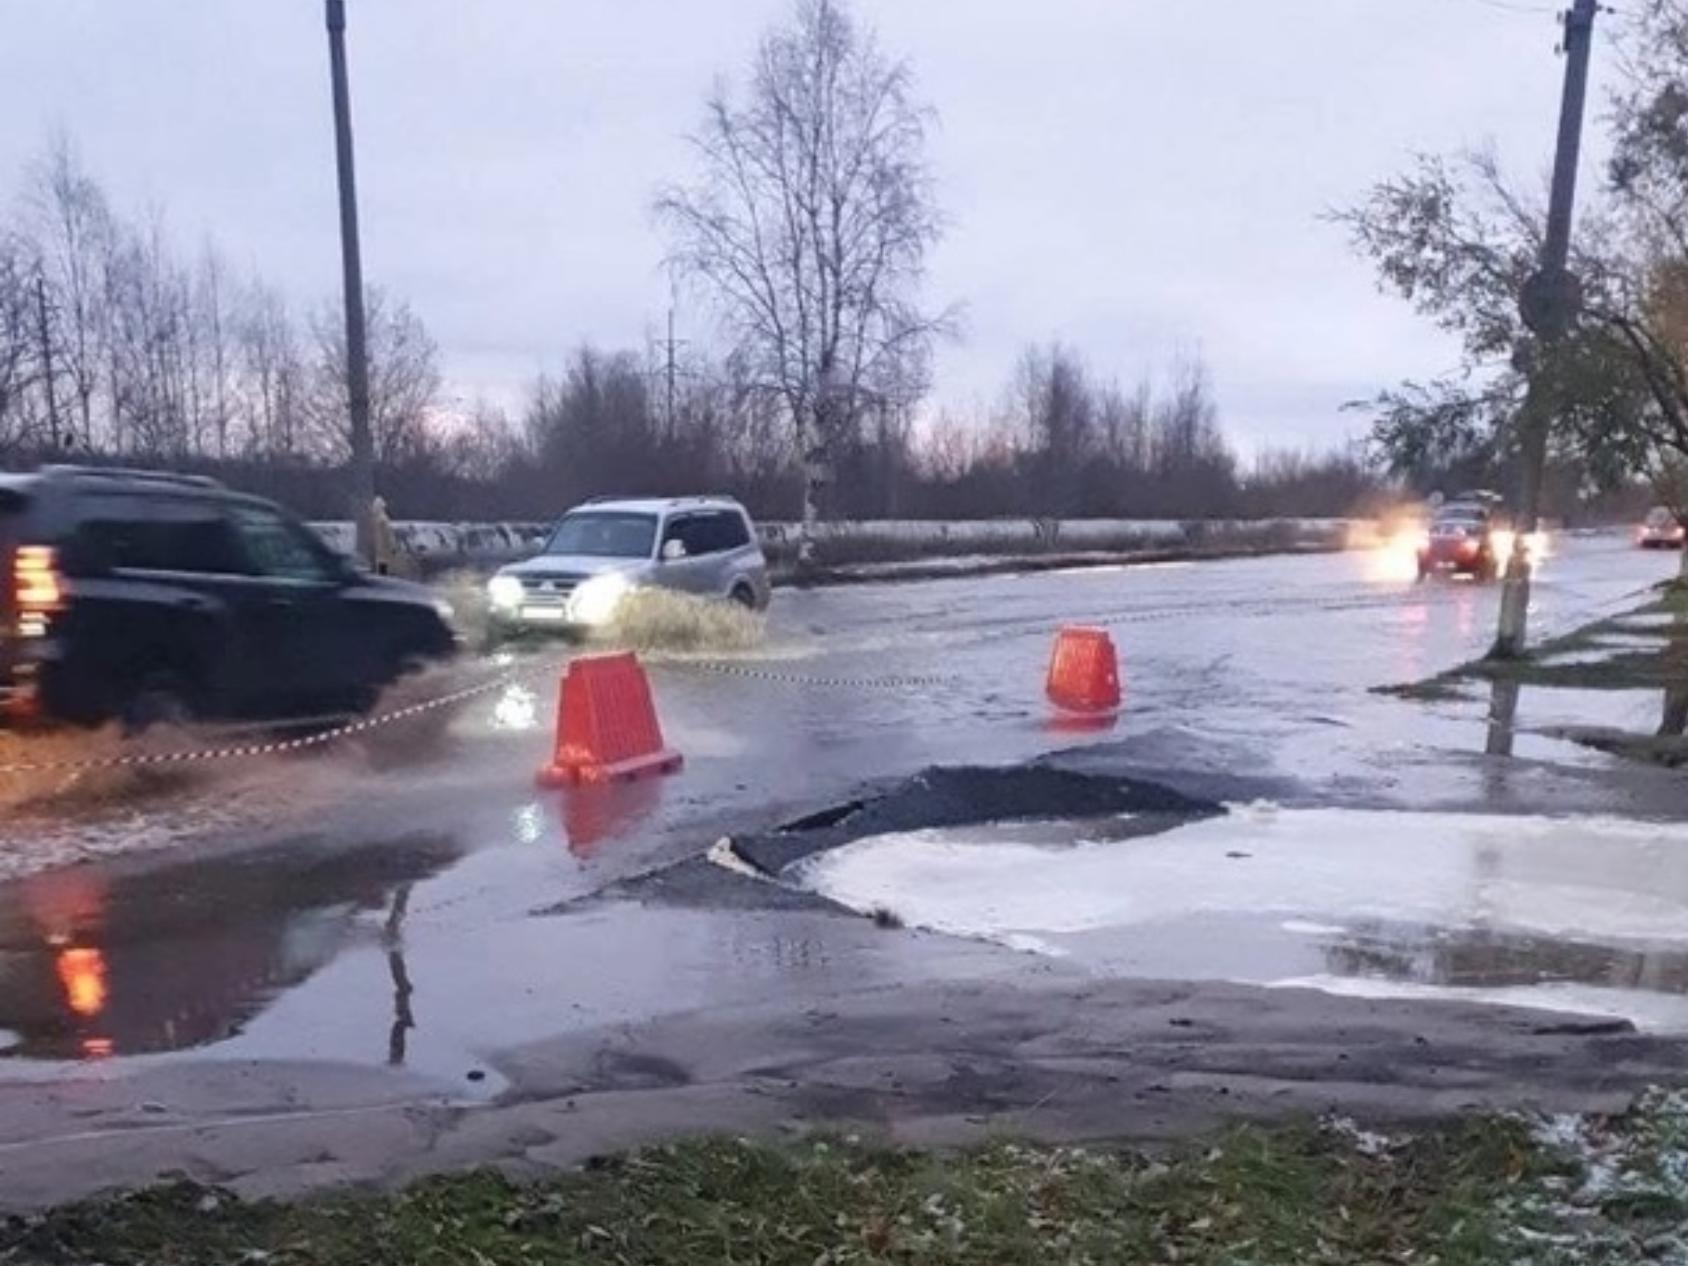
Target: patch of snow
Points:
x,y
1306,927
1651,620
1032,945
1617,641
1649,1012
1575,659
723,854
1365,1142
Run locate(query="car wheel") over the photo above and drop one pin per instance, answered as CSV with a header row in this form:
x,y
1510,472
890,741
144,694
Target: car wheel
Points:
x,y
745,596
162,702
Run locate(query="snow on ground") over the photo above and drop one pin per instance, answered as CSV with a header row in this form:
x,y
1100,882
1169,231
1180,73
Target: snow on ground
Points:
x,y
1636,710
1617,640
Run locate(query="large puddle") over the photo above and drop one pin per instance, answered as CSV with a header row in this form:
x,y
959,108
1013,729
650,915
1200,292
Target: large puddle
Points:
x,y
1586,914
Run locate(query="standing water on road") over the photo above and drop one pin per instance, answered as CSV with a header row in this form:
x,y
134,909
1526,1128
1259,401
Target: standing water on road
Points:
x,y
1583,914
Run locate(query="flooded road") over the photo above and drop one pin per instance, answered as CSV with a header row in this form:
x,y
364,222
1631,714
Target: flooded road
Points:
x,y
412,902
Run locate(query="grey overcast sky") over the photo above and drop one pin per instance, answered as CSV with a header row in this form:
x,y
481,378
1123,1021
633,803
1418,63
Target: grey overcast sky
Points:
x,y
1140,179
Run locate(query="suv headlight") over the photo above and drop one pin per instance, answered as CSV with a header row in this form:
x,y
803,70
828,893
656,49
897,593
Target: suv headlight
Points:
x,y
504,592
596,600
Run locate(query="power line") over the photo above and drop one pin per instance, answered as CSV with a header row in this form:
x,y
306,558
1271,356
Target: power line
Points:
x,y
1513,6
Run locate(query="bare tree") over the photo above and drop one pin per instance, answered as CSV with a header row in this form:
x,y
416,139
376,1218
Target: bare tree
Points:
x,y
19,329
271,372
213,337
404,380
73,230
810,222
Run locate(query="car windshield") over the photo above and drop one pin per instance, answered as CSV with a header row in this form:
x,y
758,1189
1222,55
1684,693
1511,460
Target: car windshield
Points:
x,y
604,534
1660,517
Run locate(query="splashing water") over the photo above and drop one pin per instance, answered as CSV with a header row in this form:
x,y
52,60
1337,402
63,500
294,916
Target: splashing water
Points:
x,y
663,620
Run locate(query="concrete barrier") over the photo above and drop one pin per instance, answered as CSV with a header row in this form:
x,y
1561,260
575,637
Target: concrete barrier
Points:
x,y
438,547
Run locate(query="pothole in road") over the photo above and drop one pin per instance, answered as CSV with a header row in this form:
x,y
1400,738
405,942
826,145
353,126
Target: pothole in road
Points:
x,y
958,797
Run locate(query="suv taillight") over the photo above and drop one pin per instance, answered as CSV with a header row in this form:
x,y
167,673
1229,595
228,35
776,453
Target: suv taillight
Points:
x,y
37,591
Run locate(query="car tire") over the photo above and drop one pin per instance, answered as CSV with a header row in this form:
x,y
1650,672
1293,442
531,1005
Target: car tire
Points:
x,y
745,596
162,701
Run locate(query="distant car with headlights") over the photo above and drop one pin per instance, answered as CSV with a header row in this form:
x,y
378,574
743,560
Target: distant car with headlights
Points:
x,y
1464,538
1660,530
142,597
601,552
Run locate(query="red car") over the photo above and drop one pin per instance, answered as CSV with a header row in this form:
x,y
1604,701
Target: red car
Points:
x,y
1660,531
1461,541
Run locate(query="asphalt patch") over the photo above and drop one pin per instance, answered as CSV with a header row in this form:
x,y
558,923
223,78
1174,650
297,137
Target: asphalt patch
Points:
x,y
950,797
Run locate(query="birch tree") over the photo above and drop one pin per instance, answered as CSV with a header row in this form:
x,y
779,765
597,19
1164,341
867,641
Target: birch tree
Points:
x,y
809,221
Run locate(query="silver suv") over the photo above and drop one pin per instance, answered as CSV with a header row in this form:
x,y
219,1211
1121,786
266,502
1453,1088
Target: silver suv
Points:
x,y
600,552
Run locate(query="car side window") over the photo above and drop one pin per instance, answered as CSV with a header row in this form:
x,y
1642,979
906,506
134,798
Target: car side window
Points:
x,y
691,530
732,531
153,533
277,547
671,532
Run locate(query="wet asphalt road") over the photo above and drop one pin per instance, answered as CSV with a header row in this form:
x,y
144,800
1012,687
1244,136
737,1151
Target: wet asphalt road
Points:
x,y
414,902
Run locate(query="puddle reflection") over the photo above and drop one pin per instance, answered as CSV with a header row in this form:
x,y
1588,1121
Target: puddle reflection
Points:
x,y
92,967
591,816
1476,958
404,1019
1503,718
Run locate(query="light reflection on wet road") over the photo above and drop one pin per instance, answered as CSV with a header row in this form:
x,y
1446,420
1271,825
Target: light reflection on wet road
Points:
x,y
301,944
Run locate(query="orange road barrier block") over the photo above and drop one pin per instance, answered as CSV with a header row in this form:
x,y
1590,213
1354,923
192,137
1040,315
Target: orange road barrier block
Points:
x,y
1084,671
607,729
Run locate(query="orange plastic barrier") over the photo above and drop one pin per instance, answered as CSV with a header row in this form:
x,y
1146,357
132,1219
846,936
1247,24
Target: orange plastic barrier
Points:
x,y
607,729
1084,671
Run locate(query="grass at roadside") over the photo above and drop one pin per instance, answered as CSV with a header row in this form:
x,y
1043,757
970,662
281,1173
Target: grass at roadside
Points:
x,y
1476,1191
1646,647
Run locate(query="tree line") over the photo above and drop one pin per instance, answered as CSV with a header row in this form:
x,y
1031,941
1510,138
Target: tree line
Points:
x,y
116,346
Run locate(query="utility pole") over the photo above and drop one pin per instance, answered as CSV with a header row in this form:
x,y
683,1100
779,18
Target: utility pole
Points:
x,y
45,329
670,348
1549,304
357,347
671,369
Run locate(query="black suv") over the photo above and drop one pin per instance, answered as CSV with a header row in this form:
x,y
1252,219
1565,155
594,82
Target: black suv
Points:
x,y
134,596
